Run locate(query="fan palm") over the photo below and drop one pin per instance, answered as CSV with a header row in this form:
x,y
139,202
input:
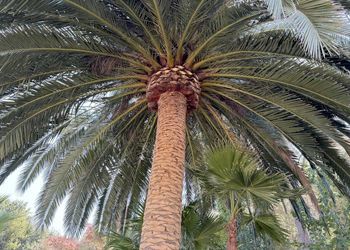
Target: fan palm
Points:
x,y
85,83
236,179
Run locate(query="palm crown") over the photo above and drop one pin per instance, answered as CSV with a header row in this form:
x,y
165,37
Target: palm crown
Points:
x,y
77,77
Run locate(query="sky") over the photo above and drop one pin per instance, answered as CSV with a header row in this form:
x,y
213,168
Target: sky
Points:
x,y
9,188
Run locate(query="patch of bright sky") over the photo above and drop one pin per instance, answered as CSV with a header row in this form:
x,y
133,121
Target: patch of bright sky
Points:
x,y
30,197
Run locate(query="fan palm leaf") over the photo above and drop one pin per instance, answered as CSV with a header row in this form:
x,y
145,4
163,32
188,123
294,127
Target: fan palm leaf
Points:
x,y
267,224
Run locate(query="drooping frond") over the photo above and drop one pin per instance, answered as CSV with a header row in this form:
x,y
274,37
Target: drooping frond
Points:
x,y
322,25
267,224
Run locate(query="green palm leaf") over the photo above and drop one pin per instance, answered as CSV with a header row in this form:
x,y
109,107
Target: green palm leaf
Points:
x,y
267,224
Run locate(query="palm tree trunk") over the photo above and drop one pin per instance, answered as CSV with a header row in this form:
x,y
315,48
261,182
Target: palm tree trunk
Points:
x,y
232,243
162,220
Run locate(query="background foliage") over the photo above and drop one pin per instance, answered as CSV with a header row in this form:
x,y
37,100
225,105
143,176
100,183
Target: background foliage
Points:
x,y
19,232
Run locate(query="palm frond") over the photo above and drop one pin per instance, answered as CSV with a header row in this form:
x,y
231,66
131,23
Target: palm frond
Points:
x,y
344,3
310,22
85,191
159,9
136,11
267,224
98,12
237,19
47,155
319,88
277,7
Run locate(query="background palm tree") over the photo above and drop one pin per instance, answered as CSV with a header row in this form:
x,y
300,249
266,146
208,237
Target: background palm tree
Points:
x,y
77,75
237,180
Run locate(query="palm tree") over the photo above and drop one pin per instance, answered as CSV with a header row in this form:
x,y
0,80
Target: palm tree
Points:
x,y
85,83
235,178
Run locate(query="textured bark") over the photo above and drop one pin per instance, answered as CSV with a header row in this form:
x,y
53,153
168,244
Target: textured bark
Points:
x,y
162,220
232,243
173,79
